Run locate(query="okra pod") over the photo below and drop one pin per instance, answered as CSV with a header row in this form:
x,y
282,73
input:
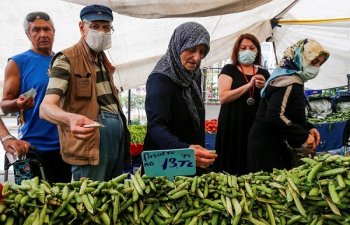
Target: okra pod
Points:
x,y
136,184
119,179
177,216
333,193
270,214
313,172
87,203
332,172
179,194
105,218
213,204
83,186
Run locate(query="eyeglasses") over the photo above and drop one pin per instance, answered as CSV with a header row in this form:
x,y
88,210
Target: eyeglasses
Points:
x,y
37,15
97,27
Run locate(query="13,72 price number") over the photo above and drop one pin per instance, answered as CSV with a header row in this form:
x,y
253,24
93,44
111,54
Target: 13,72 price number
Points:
x,y
176,163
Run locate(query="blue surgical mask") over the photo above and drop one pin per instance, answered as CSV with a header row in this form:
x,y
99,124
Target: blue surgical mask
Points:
x,y
246,57
309,72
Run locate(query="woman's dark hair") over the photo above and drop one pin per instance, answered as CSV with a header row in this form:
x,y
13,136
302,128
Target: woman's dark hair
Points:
x,y
235,50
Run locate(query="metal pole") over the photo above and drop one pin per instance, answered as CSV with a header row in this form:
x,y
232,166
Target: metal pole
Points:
x,y
204,87
129,106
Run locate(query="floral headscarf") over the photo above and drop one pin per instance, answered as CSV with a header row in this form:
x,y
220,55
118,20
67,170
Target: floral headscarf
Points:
x,y
296,58
185,36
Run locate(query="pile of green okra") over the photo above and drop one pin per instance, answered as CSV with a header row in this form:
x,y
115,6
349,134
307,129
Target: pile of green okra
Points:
x,y
314,193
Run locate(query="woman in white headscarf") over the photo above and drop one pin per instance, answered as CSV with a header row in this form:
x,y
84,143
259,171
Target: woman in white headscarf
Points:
x,y
174,106
280,123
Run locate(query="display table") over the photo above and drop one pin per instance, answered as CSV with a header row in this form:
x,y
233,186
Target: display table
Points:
x,y
331,135
210,141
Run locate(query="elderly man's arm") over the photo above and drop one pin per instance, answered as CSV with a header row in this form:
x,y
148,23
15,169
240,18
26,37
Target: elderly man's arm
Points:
x,y
11,100
50,111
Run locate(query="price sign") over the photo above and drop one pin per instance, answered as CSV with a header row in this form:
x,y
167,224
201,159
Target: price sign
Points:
x,y
169,163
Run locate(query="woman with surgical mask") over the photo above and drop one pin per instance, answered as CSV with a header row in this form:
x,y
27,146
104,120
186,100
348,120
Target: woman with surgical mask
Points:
x,y
239,86
280,126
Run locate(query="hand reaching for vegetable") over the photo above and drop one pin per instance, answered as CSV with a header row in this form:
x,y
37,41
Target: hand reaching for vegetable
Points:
x,y
314,132
310,144
204,157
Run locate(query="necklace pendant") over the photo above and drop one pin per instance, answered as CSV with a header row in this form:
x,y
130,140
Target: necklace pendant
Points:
x,y
250,101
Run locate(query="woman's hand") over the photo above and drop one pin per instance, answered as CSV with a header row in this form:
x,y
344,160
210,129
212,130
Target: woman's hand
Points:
x,y
314,132
259,81
310,144
251,83
204,157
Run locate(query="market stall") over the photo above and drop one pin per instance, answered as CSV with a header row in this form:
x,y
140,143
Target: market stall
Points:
x,y
329,110
316,192
331,135
211,126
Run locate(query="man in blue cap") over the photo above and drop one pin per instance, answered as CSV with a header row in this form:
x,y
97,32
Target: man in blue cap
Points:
x,y
82,100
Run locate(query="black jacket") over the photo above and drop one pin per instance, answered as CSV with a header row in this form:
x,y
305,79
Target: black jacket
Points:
x,y
280,117
169,125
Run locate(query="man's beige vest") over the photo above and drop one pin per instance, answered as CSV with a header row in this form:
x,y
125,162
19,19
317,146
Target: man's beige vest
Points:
x,y
81,98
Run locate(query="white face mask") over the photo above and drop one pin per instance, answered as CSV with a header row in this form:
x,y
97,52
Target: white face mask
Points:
x,y
98,40
310,72
246,57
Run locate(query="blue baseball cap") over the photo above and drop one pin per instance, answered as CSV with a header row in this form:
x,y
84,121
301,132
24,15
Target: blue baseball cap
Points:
x,y
96,12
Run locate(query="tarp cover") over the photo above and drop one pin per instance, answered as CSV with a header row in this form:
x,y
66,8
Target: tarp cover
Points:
x,y
327,22
175,8
137,43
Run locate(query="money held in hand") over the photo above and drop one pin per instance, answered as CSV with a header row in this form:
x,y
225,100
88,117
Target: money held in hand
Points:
x,y
30,94
93,125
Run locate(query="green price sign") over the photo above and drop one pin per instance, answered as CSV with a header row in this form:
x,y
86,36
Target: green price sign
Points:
x,y
169,163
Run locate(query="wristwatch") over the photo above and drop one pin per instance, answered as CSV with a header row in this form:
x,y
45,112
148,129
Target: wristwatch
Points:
x,y
7,137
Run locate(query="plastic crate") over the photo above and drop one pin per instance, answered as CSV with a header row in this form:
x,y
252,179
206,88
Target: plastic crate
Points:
x,y
342,93
210,141
312,92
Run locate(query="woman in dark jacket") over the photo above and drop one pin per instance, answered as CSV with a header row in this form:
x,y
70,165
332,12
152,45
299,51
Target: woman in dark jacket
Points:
x,y
174,106
280,123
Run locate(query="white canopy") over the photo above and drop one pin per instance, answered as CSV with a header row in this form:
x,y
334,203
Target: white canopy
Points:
x,y
138,43
175,8
328,22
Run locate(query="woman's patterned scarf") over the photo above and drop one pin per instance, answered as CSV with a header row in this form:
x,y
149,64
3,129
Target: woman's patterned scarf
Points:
x,y
296,58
